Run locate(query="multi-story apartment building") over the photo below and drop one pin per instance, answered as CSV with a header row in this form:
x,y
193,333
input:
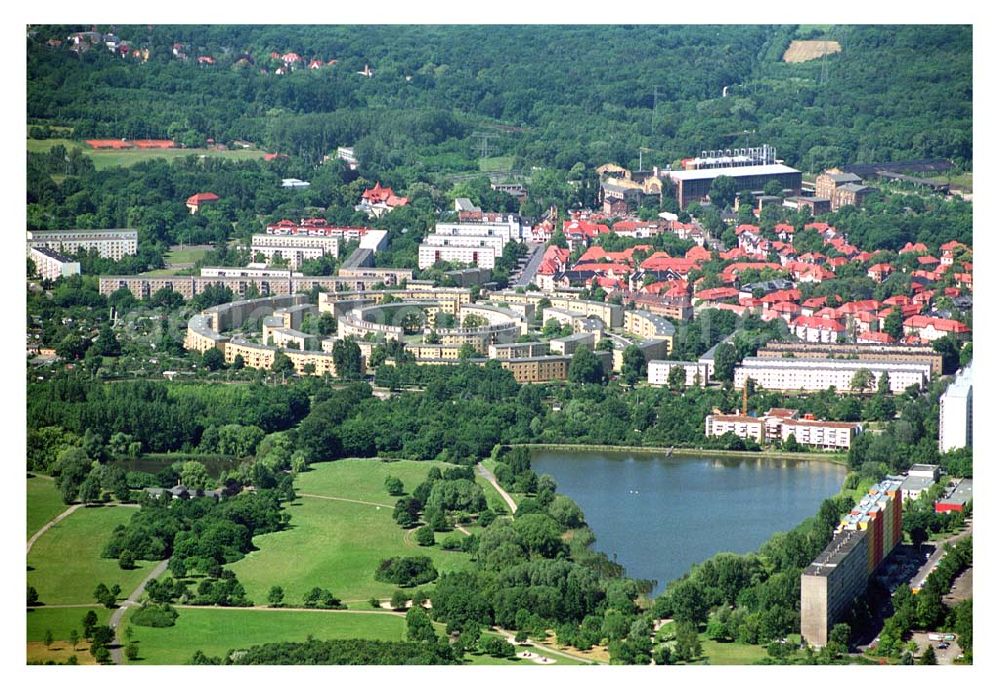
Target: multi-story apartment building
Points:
x,y
789,374
658,372
477,238
648,325
50,264
955,413
294,248
112,244
920,354
840,573
538,369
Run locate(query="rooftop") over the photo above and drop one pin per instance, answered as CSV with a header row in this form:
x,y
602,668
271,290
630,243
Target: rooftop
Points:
x,y
758,170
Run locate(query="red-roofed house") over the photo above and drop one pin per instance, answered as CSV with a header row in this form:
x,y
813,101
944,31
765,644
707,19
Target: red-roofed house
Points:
x,y
661,261
933,328
808,273
817,329
813,305
774,297
290,58
924,274
579,231
927,260
784,231
553,262
874,337
734,254
923,298
858,306
896,300
838,261
199,200
698,254
206,59
747,228
951,245
952,292
913,247
716,295
786,310
634,229
880,272
315,64
380,200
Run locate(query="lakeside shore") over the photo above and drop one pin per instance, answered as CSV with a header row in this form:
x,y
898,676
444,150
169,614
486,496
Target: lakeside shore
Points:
x,y
832,458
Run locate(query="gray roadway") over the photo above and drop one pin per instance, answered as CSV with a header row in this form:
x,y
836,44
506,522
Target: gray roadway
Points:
x,y
534,262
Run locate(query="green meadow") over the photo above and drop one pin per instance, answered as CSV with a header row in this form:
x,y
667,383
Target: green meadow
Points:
x,y
65,564
44,503
336,540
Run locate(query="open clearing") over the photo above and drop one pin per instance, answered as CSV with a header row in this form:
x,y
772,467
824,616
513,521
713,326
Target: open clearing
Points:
x,y
66,563
44,503
805,50
103,159
337,540
731,653
215,631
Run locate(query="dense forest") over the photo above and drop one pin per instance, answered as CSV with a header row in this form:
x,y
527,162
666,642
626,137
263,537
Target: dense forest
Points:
x,y
554,96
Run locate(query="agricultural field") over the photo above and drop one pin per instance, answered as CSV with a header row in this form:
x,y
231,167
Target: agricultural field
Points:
x,y
215,631
805,50
65,564
341,528
44,503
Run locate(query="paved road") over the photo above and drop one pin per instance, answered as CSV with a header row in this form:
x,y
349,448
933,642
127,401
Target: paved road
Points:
x,y
133,599
534,262
488,475
56,520
932,561
345,500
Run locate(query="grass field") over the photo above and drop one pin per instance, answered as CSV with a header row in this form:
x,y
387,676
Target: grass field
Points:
x,y
496,164
186,256
44,503
60,621
215,631
104,159
336,544
731,653
66,562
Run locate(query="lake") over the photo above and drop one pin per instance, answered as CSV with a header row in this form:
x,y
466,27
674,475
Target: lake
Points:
x,y
657,516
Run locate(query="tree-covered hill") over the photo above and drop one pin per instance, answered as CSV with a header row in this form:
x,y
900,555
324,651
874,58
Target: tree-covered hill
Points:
x,y
566,94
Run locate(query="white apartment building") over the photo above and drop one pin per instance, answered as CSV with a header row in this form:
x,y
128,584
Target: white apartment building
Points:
x,y
955,417
747,428
481,256
508,226
658,371
51,265
793,374
826,435
110,243
258,272
329,244
779,424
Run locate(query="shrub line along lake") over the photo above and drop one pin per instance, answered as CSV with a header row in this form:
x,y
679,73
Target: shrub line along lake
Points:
x,y
659,515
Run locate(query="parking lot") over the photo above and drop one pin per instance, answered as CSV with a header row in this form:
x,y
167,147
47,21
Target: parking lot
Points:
x,y
945,656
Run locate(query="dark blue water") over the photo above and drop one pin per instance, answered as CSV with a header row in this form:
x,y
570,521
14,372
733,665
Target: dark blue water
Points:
x,y
657,516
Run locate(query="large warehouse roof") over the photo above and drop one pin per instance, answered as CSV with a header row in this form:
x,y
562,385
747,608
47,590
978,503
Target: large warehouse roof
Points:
x,y
755,170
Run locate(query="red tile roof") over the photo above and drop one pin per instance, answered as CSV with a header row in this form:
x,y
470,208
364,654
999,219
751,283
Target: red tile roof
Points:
x,y
790,295
716,294
818,323
927,260
199,198
913,247
744,228
875,337
920,321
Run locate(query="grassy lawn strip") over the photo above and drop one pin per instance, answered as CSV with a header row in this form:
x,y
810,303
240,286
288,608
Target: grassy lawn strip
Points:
x,y
66,563
335,544
216,631
61,620
44,503
731,653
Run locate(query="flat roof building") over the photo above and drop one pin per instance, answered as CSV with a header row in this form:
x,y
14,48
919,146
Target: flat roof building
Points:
x,y
955,413
113,244
50,264
789,374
